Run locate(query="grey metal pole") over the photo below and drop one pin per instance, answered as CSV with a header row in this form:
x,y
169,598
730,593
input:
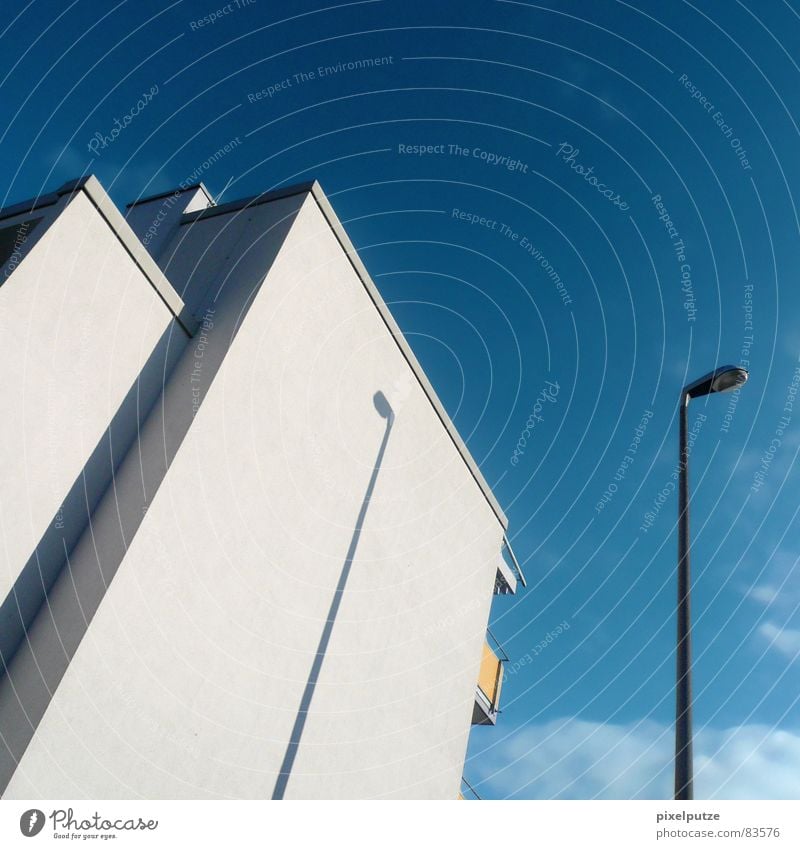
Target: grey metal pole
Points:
x,y
683,690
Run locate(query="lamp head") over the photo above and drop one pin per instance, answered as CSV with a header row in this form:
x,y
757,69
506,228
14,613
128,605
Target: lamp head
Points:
x,y
729,379
722,379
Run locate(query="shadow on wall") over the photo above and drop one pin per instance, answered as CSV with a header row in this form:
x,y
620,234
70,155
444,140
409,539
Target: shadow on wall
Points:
x,y
51,554
48,611
385,411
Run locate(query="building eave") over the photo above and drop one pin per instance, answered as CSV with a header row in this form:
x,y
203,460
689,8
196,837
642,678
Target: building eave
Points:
x,y
98,197
315,190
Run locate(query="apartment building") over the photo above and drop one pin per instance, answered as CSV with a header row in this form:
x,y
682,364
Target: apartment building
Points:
x,y
245,553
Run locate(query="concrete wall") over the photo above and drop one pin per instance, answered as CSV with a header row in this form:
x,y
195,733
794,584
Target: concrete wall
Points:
x,y
78,324
156,220
85,341
189,679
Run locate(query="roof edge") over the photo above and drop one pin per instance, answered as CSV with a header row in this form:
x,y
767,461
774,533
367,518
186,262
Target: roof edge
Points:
x,y
180,190
245,203
314,189
27,206
372,290
101,201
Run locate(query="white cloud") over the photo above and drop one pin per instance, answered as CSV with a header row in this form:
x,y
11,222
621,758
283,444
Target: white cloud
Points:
x,y
575,759
766,594
785,640
776,586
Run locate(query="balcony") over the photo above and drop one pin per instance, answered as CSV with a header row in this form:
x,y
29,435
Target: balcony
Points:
x,y
509,572
490,681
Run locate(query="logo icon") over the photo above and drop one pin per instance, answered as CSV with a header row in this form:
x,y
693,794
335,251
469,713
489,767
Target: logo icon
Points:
x,y
31,822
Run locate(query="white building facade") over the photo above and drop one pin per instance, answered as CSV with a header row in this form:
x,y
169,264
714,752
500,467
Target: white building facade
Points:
x,y
245,552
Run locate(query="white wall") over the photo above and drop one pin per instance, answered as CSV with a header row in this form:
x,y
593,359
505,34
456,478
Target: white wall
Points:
x,y
84,341
188,681
78,323
155,221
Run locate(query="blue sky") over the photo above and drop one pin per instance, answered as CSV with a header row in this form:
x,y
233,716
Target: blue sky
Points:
x,y
606,200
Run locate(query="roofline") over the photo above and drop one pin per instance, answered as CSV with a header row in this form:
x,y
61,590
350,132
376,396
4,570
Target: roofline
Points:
x,y
32,205
101,201
137,251
139,254
180,190
315,189
246,203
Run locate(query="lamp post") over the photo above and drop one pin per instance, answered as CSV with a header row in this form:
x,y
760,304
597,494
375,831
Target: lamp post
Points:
x,y
720,380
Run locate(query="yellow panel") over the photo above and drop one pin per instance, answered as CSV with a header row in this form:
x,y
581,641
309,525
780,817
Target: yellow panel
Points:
x,y
491,675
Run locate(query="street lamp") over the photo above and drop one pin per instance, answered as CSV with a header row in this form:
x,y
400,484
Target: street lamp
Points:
x,y
720,380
